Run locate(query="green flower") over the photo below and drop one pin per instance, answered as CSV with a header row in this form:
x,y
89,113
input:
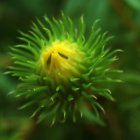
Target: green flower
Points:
x,y
62,73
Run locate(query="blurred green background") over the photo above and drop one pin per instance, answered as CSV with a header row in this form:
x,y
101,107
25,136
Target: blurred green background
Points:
x,y
121,18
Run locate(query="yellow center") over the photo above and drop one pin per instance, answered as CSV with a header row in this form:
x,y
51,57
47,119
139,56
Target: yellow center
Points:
x,y
60,60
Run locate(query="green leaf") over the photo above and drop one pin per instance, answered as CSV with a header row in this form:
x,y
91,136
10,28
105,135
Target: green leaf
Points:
x,y
134,3
90,116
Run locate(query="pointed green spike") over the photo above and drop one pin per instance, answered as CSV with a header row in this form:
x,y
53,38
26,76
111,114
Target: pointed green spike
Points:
x,y
74,118
64,116
26,105
74,79
70,98
75,89
53,121
87,85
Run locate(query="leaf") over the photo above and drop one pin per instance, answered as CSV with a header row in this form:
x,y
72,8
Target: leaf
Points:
x,y
90,116
134,3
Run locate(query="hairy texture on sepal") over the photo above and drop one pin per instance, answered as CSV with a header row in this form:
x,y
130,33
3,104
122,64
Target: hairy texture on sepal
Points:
x,y
62,73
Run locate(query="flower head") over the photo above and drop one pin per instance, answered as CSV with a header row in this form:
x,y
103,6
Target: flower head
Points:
x,y
62,72
60,60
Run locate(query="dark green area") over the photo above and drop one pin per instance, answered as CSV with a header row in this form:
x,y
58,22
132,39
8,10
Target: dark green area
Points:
x,y
122,20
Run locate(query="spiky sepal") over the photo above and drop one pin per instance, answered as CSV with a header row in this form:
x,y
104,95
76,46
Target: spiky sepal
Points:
x,y
62,73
